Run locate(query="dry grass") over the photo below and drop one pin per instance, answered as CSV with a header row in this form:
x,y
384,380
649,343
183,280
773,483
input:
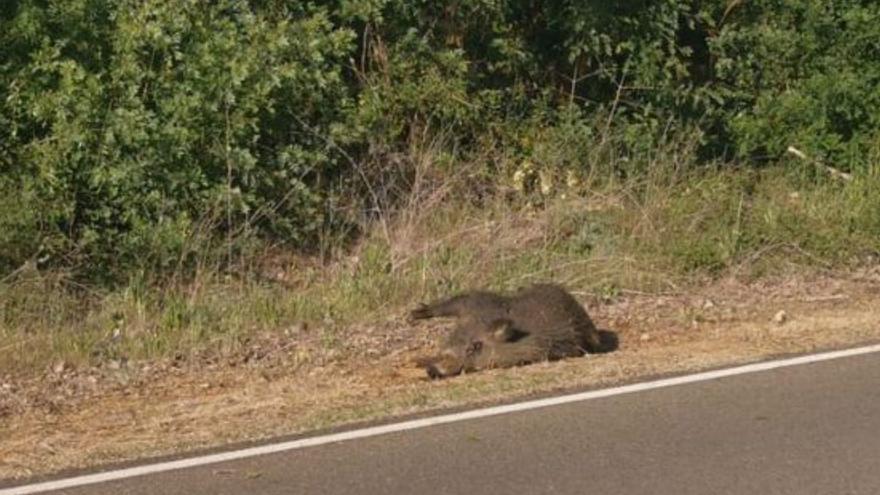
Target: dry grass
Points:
x,y
654,233
176,409
688,268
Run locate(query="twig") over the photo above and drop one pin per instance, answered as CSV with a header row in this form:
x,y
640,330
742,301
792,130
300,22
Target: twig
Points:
x,y
731,6
614,104
755,256
835,297
28,264
782,245
810,255
650,293
828,168
20,342
332,143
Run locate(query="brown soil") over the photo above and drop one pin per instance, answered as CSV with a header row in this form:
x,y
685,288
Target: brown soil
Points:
x,y
290,382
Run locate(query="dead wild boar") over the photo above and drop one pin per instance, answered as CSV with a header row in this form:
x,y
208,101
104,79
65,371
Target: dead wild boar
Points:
x,y
541,322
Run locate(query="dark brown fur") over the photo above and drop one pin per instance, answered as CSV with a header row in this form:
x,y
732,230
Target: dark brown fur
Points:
x,y
542,322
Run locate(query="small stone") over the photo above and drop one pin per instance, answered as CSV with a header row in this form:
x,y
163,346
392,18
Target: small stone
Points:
x,y
708,304
59,367
780,317
296,329
645,337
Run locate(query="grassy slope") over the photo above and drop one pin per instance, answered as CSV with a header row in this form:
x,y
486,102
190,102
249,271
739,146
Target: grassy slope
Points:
x,y
82,417
688,267
645,235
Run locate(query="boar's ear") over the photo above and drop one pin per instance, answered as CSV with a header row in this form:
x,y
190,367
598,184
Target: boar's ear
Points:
x,y
503,331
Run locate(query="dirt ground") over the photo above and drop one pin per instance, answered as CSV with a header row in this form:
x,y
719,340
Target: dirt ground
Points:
x,y
288,382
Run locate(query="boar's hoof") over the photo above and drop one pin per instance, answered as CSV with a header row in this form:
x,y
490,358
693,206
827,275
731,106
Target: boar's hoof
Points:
x,y
433,372
421,313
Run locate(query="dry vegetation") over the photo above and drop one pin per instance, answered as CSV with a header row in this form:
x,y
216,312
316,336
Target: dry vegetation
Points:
x,y
73,417
689,268
651,235
301,344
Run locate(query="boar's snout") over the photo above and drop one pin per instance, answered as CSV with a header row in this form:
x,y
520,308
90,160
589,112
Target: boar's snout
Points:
x,y
442,366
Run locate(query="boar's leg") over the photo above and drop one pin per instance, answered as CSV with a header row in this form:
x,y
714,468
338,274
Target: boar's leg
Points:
x,y
463,305
448,307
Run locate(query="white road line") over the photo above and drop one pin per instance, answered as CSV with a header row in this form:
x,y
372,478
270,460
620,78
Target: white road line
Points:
x,y
425,422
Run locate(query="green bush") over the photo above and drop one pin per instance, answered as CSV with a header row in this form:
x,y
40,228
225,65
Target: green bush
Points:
x,y
133,120
802,73
140,134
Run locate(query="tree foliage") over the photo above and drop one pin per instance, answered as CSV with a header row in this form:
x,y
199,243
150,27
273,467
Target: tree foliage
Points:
x,y
126,127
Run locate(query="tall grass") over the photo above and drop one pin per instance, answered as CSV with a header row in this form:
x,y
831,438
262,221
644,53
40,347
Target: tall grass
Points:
x,y
657,230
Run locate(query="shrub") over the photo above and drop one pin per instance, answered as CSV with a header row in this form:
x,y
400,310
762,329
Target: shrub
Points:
x,y
145,134
133,120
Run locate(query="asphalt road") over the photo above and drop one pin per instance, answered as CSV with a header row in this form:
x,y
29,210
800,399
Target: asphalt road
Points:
x,y
807,429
